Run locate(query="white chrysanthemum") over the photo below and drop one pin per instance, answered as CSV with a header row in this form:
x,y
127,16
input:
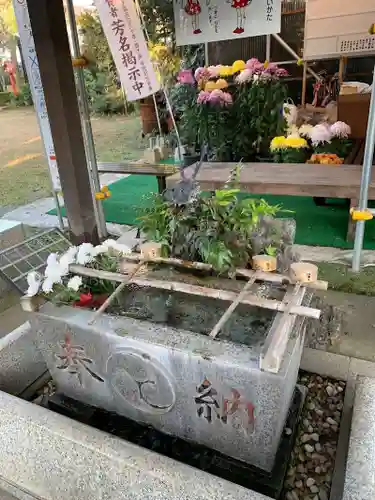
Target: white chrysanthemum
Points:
x,y
48,284
85,254
74,283
341,130
99,249
245,76
320,134
53,272
34,281
305,130
69,257
118,247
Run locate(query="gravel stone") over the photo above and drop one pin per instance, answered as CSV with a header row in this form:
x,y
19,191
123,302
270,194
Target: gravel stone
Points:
x,y
305,438
315,449
323,494
330,390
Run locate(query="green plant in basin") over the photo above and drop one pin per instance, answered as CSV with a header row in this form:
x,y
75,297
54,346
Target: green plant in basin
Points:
x,y
213,228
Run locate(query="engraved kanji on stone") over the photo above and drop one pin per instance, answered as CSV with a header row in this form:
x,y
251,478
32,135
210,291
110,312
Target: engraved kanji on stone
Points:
x,y
206,400
73,360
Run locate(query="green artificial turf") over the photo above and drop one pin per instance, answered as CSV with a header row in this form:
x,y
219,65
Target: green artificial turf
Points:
x,y
316,225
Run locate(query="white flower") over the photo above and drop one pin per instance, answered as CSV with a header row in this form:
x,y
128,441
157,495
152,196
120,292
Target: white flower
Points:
x,y
99,249
74,283
34,280
118,247
85,254
52,260
305,130
320,133
341,130
69,257
255,78
53,271
245,76
47,286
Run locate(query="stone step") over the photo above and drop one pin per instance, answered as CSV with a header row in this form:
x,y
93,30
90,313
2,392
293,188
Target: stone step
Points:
x,y
51,457
360,467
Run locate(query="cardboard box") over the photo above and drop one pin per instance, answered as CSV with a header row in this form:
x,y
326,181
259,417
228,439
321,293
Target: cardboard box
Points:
x,y
353,109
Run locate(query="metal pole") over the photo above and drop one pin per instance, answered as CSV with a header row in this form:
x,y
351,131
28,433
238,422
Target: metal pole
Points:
x,y
58,209
86,124
365,180
169,107
268,48
294,54
206,54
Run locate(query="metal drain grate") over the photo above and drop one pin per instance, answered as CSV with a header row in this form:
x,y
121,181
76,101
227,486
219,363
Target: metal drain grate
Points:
x,y
30,255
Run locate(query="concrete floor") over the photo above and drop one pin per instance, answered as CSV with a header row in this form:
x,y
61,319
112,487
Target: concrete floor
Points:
x,y
356,337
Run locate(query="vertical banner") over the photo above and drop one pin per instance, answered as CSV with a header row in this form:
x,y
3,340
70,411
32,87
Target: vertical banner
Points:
x,y
202,21
33,75
126,40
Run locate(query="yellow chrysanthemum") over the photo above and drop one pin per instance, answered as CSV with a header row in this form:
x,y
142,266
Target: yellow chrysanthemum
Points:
x,y
226,71
210,86
278,143
295,142
238,66
221,84
265,64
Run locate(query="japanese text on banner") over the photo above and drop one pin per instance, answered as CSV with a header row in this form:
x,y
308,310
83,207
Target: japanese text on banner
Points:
x,y
126,40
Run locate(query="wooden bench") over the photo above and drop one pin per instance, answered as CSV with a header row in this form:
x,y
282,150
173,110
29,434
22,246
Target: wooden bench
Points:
x,y
159,170
299,179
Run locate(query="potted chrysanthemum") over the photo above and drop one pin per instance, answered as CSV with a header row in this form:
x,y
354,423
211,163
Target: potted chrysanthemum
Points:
x,y
291,149
331,139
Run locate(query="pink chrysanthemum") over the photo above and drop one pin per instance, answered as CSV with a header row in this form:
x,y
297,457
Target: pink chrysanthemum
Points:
x,y
203,97
201,74
214,71
320,133
270,68
185,76
245,76
227,99
254,65
341,130
280,72
217,97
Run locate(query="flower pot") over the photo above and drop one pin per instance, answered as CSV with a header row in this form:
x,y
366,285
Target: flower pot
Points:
x,y
148,115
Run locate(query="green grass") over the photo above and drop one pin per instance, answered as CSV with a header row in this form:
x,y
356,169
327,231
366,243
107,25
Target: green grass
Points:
x,y
116,138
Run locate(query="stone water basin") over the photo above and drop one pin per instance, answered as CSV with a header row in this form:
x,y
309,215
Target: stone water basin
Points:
x,y
152,361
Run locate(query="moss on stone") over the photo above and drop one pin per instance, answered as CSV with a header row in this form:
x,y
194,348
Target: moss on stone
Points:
x,y
341,278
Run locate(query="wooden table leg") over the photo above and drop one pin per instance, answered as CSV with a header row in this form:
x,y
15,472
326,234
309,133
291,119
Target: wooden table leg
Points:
x,y
162,183
351,224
